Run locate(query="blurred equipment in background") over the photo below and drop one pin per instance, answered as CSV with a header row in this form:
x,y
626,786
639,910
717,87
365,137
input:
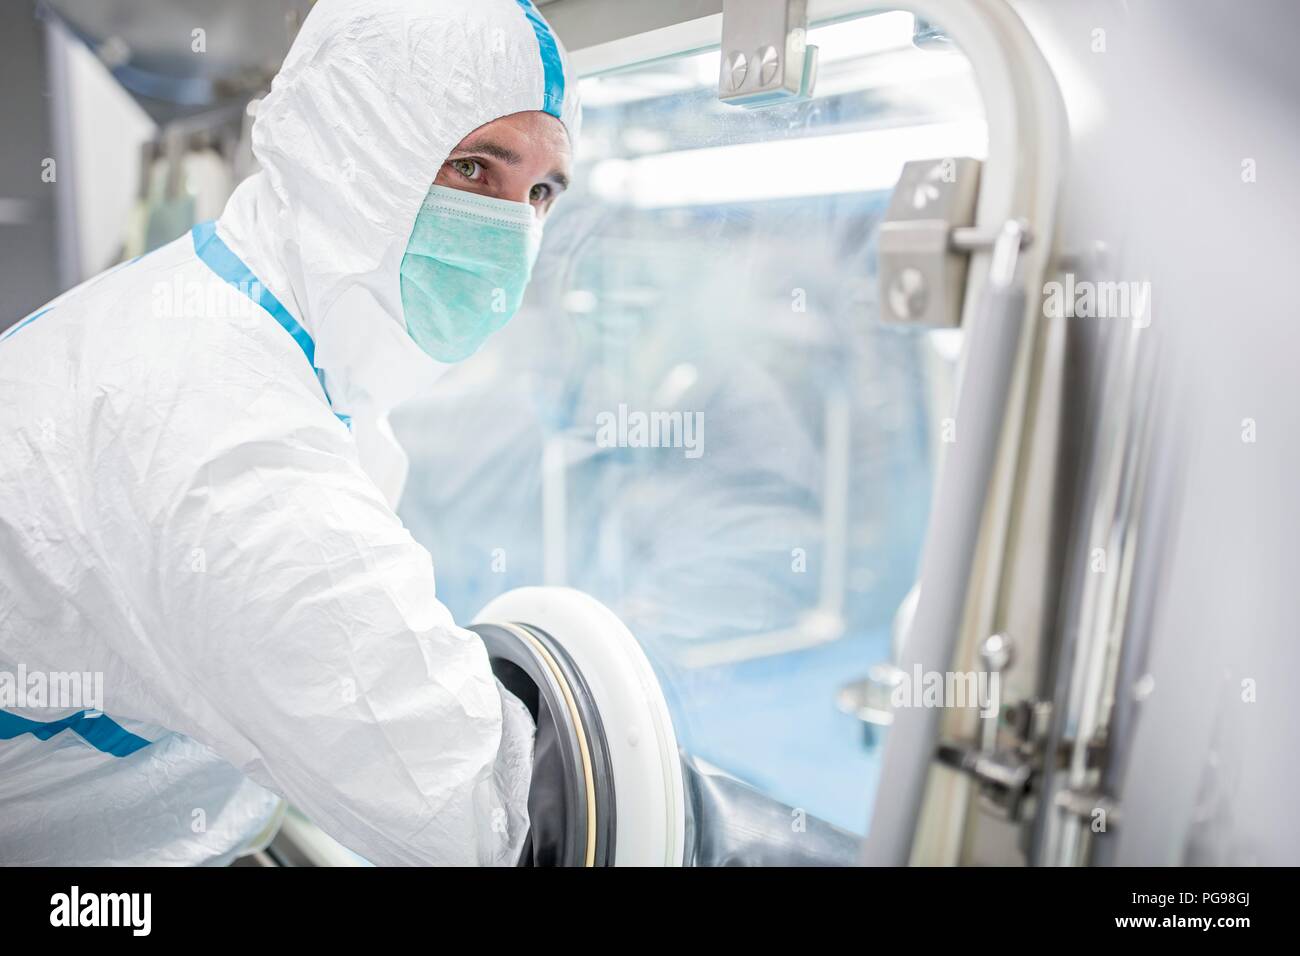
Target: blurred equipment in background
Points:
x,y
29,253
179,58
130,112
186,176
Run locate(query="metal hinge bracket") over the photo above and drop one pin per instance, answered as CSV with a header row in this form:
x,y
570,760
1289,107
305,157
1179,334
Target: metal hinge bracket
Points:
x,y
765,54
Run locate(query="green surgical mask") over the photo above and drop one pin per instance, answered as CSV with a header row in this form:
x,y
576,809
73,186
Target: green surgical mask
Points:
x,y
465,269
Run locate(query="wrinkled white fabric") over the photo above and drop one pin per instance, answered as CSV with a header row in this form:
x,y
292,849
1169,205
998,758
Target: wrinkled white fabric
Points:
x,y
182,510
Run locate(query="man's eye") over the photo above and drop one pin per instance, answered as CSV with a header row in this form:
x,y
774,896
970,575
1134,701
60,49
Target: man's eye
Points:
x,y
539,193
468,168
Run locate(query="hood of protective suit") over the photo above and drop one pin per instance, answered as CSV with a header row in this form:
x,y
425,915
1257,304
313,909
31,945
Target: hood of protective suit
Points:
x,y
371,99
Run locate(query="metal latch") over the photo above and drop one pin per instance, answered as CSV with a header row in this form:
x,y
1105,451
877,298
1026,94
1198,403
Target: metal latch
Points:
x,y
765,54
1005,777
1009,775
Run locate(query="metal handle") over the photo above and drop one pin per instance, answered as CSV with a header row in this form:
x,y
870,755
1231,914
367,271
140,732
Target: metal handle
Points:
x,y
949,556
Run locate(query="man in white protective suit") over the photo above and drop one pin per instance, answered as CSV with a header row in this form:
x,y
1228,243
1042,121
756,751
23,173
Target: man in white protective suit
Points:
x,y
197,480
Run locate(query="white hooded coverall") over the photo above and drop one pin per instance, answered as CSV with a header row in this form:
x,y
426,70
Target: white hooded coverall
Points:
x,y
197,486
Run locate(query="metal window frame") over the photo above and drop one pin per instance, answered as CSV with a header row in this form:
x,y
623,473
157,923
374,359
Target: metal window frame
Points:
x,y
1021,181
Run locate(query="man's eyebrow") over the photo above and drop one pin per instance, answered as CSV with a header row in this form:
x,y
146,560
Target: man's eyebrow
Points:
x,y
490,148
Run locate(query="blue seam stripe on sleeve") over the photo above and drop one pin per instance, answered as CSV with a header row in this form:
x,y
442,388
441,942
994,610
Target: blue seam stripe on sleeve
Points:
x,y
552,68
103,733
18,325
49,308
221,259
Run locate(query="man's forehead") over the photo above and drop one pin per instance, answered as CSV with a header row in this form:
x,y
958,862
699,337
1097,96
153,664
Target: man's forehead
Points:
x,y
519,132
523,139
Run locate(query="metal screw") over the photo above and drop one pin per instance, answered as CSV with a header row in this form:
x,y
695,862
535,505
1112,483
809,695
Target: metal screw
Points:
x,y
768,62
908,294
737,67
998,652
1144,688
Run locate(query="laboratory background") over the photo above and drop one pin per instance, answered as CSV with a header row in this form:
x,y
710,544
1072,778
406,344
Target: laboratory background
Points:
x,y
870,343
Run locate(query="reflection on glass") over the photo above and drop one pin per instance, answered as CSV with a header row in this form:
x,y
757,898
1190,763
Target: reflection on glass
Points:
x,y
698,418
